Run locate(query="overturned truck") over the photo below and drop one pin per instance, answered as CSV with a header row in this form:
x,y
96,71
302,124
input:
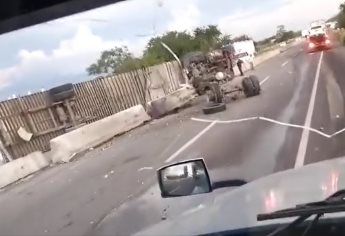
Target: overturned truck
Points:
x,y
213,74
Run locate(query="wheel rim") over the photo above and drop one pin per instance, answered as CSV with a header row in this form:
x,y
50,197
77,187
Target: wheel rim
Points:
x,y
208,95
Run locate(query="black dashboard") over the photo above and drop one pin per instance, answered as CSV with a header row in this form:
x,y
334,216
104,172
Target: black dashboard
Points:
x,y
329,227
18,14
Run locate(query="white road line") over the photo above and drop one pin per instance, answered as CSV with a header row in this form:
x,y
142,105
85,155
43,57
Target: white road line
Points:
x,y
285,63
338,132
264,80
224,121
302,149
190,142
297,126
271,121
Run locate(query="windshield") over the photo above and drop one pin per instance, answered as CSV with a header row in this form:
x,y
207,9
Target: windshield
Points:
x,y
93,103
316,27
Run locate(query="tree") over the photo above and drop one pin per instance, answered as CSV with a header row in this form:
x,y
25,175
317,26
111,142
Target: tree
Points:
x,y
284,35
342,8
341,20
179,42
280,31
224,40
118,59
207,37
202,39
341,16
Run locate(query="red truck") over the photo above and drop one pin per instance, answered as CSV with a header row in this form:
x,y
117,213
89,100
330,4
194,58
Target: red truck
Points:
x,y
318,42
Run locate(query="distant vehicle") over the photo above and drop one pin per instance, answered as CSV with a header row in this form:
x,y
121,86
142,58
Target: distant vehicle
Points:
x,y
318,42
305,33
318,38
317,28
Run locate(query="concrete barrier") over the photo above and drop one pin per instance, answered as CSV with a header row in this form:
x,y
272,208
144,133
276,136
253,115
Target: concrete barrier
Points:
x,y
169,103
64,147
22,167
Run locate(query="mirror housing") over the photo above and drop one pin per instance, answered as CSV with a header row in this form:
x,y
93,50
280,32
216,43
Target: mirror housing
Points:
x,y
184,178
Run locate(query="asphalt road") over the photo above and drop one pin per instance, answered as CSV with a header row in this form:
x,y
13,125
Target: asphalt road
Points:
x,y
112,190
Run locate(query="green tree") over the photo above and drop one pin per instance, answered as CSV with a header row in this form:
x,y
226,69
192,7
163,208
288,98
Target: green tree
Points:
x,y
179,42
202,39
117,59
341,16
342,8
280,31
207,37
224,40
341,20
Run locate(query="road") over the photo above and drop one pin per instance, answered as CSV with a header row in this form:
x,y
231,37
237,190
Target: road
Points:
x,y
112,189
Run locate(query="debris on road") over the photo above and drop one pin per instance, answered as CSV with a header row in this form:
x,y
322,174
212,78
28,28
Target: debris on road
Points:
x,y
171,103
164,215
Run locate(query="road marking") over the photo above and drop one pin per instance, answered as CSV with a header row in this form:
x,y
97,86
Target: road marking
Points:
x,y
274,122
285,63
190,142
302,149
225,121
297,126
264,80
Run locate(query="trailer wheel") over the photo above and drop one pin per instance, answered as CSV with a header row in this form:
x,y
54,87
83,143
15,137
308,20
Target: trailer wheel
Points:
x,y
61,92
212,108
256,84
214,93
251,86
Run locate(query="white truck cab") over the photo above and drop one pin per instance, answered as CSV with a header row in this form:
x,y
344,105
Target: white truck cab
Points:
x,y
318,37
317,28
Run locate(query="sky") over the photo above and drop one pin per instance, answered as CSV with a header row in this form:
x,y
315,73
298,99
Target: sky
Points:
x,y
59,51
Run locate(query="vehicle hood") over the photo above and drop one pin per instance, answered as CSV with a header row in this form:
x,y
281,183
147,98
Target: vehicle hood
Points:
x,y
237,208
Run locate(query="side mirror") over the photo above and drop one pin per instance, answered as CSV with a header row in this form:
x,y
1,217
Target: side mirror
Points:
x,y
184,179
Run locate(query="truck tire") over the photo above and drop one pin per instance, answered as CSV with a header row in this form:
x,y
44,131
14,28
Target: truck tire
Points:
x,y
212,108
61,93
251,86
214,93
256,84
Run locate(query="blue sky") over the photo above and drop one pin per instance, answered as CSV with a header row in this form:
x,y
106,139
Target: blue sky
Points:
x,y
57,52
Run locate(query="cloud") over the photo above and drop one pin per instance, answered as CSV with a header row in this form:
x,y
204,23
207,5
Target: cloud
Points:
x,y
59,51
71,57
185,16
294,14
